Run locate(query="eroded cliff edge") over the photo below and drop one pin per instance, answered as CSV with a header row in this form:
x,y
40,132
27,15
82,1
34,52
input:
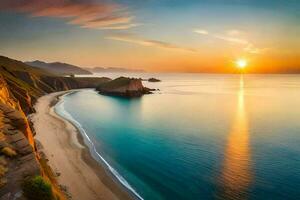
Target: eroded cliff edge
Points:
x,y
18,158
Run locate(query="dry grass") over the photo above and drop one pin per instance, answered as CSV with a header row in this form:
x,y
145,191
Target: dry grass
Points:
x,y
48,171
3,170
3,161
2,136
9,152
51,177
3,181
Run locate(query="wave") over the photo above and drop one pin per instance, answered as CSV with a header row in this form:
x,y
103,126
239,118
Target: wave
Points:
x,y
67,116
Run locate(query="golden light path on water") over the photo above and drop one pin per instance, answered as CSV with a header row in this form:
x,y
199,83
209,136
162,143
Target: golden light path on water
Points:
x,y
236,172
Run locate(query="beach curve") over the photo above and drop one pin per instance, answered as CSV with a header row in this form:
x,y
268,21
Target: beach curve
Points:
x,y
83,177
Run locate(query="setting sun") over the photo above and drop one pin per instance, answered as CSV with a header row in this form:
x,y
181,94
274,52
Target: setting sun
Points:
x,y
241,63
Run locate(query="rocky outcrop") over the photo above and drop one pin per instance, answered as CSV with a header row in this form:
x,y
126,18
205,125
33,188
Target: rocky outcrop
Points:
x,y
19,161
17,156
153,80
126,87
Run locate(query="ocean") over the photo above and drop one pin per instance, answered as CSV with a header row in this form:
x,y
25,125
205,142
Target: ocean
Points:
x,y
200,136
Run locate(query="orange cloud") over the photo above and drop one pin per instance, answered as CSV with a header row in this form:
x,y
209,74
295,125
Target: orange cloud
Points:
x,y
146,42
86,14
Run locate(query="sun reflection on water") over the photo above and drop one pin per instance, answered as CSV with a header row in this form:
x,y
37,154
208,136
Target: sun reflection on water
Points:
x,y
236,172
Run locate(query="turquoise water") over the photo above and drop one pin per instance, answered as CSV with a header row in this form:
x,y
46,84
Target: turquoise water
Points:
x,y
199,137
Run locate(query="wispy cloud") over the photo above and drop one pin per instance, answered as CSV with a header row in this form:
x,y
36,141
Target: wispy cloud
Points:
x,y
201,31
131,38
250,48
86,14
120,27
231,39
233,36
234,32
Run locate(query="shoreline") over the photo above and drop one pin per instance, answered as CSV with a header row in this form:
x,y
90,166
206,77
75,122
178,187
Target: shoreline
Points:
x,y
83,176
83,139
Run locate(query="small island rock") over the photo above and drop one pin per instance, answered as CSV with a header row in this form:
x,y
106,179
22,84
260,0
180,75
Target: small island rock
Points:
x,y
153,80
123,86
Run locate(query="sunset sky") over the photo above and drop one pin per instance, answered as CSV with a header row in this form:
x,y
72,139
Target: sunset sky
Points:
x,y
154,35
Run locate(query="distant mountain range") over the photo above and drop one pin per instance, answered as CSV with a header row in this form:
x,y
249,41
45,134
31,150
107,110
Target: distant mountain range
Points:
x,y
59,68
112,69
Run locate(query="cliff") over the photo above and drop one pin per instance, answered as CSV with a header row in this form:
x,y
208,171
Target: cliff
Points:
x,y
17,159
20,86
28,83
122,86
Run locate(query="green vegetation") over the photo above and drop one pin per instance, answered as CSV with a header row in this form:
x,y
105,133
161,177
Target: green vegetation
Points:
x,y
9,152
37,188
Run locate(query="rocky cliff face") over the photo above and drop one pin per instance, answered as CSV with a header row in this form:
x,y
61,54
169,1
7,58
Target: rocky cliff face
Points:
x,y
20,86
17,159
127,87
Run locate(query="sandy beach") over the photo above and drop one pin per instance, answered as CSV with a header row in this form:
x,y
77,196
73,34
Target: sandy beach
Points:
x,y
84,178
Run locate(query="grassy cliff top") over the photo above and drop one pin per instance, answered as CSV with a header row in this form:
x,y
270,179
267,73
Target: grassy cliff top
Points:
x,y
15,65
117,83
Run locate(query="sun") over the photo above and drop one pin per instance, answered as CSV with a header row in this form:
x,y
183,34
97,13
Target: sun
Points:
x,y
241,63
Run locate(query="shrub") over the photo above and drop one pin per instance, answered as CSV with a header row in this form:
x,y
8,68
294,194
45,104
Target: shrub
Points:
x,y
9,152
37,188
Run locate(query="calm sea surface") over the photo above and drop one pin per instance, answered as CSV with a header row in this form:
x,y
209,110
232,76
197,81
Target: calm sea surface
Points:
x,y
200,137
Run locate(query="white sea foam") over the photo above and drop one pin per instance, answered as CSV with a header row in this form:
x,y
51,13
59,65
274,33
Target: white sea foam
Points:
x,y
63,113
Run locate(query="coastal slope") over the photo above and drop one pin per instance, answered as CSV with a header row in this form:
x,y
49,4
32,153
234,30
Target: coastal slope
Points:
x,y
17,155
59,68
27,83
20,87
